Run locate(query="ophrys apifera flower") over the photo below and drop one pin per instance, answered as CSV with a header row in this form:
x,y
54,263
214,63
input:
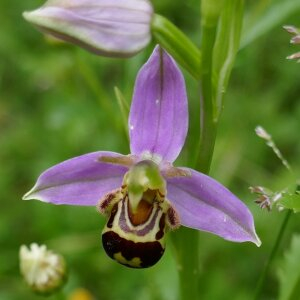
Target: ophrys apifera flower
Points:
x,y
142,193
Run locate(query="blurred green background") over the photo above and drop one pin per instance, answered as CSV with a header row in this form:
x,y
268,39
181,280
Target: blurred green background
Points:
x,y
57,102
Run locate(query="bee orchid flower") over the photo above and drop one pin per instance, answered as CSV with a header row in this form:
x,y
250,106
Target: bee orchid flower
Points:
x,y
142,194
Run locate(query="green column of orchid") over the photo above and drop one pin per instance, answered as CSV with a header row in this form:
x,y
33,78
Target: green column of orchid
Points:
x,y
221,23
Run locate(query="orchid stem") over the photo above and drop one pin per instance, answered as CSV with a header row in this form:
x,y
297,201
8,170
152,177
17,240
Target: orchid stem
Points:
x,y
187,241
263,276
187,257
208,123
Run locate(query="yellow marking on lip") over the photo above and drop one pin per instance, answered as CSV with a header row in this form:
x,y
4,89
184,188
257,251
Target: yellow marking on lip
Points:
x,y
135,262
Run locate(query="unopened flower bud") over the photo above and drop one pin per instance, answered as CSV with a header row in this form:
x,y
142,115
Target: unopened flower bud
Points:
x,y
291,29
262,133
43,270
116,28
294,40
294,56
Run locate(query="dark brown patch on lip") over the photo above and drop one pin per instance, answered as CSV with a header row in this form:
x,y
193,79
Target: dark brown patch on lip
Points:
x,y
162,225
108,198
112,216
148,252
173,218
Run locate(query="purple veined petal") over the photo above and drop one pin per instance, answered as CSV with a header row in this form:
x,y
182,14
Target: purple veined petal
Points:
x,y
158,119
106,27
204,204
81,180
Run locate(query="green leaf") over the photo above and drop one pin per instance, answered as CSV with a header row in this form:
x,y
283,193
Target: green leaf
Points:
x,y
274,15
210,11
289,272
290,201
225,49
124,108
177,44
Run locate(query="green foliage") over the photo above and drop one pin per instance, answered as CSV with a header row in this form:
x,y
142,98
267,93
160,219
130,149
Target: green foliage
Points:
x,y
273,15
124,108
291,201
225,49
177,44
289,272
211,10
57,101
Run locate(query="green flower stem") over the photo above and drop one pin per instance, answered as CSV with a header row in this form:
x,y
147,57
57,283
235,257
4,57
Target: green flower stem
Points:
x,y
208,124
263,276
177,44
225,48
187,258
187,240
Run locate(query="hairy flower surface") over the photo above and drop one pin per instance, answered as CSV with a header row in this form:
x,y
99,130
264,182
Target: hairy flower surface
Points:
x,y
142,193
118,28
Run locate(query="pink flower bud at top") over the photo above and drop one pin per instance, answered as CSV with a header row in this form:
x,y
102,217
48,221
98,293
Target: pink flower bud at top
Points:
x,y
116,28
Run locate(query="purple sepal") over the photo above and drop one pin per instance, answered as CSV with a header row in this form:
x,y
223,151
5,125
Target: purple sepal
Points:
x,y
158,119
82,180
204,204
